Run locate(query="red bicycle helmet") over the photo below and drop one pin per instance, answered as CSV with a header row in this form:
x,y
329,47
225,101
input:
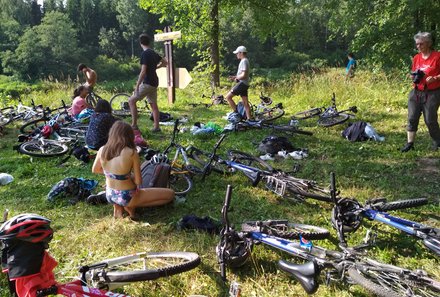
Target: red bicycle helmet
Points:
x,y
27,227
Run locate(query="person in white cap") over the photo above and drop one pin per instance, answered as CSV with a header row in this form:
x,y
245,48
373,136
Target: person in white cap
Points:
x,y
242,81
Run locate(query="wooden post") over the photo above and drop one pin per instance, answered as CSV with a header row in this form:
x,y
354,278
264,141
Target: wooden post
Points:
x,y
170,68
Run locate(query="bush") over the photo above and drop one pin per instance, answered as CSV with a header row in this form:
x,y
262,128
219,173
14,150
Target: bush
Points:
x,y
109,69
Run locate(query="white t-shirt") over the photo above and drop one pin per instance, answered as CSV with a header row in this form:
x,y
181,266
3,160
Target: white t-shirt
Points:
x,y
244,66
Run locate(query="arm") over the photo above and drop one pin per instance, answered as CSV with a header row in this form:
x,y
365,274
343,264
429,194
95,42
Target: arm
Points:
x,y
137,169
97,166
162,63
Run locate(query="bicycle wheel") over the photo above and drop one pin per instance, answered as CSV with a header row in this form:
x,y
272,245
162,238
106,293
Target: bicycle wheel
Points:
x,y
268,114
329,121
288,129
119,103
285,229
140,267
91,99
202,158
180,182
31,126
402,204
387,283
37,149
6,115
249,160
302,115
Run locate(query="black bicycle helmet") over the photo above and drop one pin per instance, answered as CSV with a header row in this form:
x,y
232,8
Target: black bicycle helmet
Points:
x,y
343,212
236,253
27,227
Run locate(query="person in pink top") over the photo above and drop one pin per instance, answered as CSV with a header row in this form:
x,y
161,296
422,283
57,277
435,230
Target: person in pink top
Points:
x,y
424,98
79,101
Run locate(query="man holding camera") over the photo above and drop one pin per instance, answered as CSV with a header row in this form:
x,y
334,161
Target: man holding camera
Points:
x,y
425,96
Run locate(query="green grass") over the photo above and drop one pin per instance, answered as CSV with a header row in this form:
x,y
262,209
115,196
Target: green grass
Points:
x,y
85,234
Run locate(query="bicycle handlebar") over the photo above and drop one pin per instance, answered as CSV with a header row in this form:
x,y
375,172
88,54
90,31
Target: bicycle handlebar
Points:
x,y
211,157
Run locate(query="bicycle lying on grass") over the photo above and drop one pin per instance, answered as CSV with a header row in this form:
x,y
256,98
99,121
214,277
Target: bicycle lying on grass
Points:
x,y
20,113
347,217
256,169
120,106
329,116
27,233
384,280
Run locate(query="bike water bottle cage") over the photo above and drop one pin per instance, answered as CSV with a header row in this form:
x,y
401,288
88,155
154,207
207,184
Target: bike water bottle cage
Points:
x,y
345,213
27,227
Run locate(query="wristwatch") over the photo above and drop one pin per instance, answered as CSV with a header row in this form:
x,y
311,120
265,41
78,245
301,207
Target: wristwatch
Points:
x,y
237,80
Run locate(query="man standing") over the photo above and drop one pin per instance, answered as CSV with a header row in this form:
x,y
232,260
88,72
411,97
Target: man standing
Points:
x,y
242,82
90,74
147,83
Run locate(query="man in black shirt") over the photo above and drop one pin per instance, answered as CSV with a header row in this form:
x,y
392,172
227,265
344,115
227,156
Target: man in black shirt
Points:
x,y
147,83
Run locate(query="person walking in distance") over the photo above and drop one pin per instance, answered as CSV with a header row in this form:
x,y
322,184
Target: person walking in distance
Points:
x,y
90,75
147,83
242,82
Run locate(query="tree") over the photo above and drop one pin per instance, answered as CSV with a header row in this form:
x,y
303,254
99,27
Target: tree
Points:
x,y
47,49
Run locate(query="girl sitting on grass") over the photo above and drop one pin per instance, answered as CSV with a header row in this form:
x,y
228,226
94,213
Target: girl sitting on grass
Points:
x,y
119,162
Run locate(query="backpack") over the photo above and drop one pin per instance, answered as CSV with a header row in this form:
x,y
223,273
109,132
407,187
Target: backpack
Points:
x,y
155,175
273,144
355,132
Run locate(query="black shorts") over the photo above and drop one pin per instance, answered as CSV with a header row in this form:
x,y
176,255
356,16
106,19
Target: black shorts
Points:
x,y
240,89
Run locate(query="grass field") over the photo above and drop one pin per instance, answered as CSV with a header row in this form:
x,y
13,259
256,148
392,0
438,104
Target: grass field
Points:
x,y
85,233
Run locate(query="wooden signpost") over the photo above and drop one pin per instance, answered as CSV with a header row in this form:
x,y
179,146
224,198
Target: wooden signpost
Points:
x,y
181,78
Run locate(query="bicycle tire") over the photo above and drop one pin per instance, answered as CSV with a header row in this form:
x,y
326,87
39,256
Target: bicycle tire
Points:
x,y
402,204
202,158
393,284
92,99
35,149
288,129
269,114
285,229
75,131
180,182
32,125
125,269
119,104
249,160
333,120
306,114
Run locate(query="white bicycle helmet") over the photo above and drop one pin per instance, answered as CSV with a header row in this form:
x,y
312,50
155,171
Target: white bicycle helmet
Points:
x,y
159,158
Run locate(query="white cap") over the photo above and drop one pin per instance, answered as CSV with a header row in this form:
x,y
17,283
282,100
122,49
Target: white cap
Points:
x,y
240,49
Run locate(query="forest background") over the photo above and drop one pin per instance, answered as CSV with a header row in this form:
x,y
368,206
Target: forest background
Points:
x,y
46,39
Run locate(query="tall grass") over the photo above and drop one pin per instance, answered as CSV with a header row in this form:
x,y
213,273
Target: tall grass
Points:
x,y
85,233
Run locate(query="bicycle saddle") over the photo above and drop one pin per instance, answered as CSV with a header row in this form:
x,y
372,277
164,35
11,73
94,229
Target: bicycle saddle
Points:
x,y
306,274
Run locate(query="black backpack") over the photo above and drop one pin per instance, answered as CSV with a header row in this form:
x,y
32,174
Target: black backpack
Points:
x,y
273,144
155,175
355,132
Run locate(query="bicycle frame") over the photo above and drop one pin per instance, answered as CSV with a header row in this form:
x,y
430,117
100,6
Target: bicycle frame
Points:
x,y
407,226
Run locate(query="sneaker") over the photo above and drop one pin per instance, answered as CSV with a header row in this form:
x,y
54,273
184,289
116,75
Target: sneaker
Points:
x,y
267,157
283,154
297,155
408,146
96,199
156,130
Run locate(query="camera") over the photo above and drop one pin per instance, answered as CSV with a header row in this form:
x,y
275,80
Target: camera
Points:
x,y
417,76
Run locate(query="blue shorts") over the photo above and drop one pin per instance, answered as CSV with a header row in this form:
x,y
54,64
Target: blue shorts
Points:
x,y
119,197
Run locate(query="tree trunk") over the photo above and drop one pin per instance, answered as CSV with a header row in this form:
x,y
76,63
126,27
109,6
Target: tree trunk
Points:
x,y
215,56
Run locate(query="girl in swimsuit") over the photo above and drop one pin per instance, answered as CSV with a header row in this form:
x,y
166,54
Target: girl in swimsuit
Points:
x,y
120,163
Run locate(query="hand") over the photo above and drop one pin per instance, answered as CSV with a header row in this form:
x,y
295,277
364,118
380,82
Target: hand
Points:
x,y
431,79
232,77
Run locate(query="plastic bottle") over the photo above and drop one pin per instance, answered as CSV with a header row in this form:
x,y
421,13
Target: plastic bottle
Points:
x,y
5,179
